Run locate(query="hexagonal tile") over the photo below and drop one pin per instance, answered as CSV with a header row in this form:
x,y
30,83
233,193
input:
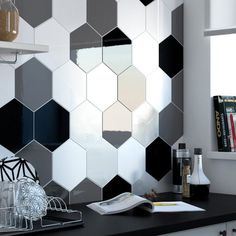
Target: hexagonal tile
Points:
x,y
145,124
173,4
53,34
40,158
7,81
145,53
86,47
159,89
152,19
177,23
69,86
39,12
177,90
33,84
86,191
158,159
102,15
131,17
171,124
69,165
86,125
131,164
102,87
171,56
117,51
51,125
5,152
99,157
116,124
16,126
146,2
56,190
71,15
131,88
116,186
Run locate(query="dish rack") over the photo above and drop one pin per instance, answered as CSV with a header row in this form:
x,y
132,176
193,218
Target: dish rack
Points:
x,y
58,215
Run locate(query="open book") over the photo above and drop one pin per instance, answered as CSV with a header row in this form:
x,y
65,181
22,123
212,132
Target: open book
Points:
x,y
128,201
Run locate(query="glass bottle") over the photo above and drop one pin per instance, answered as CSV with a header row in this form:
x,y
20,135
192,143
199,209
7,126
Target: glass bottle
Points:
x,y
9,20
186,178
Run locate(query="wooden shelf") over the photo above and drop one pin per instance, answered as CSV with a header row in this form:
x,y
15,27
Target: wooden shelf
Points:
x,y
220,31
222,155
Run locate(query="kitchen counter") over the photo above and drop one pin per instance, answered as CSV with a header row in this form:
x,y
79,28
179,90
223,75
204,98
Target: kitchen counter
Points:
x,y
219,208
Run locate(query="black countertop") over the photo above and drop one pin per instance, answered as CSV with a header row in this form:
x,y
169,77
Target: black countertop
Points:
x,y
219,208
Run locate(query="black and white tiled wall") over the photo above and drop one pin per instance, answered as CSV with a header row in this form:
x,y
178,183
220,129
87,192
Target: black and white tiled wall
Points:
x,y
99,113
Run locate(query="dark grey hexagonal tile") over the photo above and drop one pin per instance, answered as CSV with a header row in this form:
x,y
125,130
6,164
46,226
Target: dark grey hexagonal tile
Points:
x,y
86,191
116,186
146,2
177,90
158,159
86,47
55,190
171,124
35,12
40,158
51,125
102,15
16,126
178,23
33,84
171,56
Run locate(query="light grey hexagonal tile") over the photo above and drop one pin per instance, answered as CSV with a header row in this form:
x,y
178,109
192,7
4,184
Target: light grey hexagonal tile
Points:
x,y
102,87
178,23
145,124
131,88
69,165
171,124
172,4
69,86
86,125
40,158
131,164
177,90
33,84
70,14
117,124
159,89
101,163
152,15
57,38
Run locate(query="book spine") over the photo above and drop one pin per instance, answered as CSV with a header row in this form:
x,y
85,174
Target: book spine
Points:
x,y
221,125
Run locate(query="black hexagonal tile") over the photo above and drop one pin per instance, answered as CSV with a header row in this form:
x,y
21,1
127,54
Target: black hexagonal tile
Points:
x,y
158,159
171,56
33,84
177,90
102,15
16,126
116,186
146,2
177,23
51,125
35,12
86,191
171,124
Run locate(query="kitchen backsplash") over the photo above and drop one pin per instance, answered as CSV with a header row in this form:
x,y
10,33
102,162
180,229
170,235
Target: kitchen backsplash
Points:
x,y
99,113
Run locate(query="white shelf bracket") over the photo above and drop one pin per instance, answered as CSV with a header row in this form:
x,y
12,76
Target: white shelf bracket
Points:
x,y
10,62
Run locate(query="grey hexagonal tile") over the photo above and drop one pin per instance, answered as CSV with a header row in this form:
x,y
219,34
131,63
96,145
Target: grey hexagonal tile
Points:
x,y
177,90
39,12
172,4
164,21
152,19
86,191
86,47
102,15
33,84
40,158
178,23
171,124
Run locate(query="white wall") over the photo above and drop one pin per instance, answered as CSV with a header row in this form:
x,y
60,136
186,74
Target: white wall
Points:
x,y
198,122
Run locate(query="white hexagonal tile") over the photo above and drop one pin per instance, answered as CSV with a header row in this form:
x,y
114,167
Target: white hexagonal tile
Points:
x,y
145,124
158,83
69,86
102,87
164,21
152,19
172,4
131,17
70,14
145,53
69,165
131,164
86,125
5,152
53,34
7,83
102,164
